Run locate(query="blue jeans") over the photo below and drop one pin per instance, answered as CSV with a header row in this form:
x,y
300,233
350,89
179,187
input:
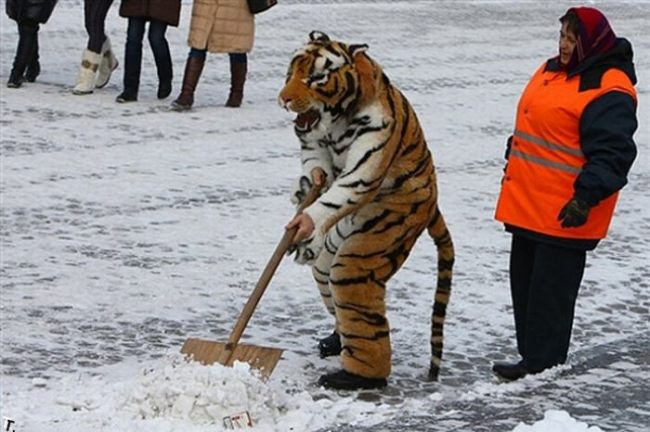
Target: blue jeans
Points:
x,y
133,52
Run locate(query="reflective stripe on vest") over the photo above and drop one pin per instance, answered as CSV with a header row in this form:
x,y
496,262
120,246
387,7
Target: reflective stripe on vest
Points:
x,y
546,157
545,162
549,145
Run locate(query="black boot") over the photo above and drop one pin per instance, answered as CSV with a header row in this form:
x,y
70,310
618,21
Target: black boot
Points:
x,y
33,70
330,346
238,72
164,89
27,43
15,79
510,371
127,96
343,380
33,67
193,69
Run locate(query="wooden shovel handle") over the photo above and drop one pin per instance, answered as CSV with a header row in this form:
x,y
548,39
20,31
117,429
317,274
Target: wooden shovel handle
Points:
x,y
280,250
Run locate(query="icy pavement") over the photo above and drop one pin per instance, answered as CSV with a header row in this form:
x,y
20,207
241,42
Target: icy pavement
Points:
x,y
606,386
127,228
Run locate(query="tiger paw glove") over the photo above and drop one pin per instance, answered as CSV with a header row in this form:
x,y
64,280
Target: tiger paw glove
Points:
x,y
300,190
574,213
308,250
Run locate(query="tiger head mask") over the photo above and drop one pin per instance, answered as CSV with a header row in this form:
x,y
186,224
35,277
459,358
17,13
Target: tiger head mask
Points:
x,y
327,79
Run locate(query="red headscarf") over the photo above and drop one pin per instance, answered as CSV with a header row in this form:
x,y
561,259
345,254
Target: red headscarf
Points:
x,y
595,36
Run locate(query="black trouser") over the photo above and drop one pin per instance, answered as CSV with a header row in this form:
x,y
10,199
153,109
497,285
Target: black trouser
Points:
x,y
95,12
133,52
544,282
27,50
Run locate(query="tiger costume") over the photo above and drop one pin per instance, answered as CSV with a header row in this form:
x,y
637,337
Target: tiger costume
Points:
x,y
381,193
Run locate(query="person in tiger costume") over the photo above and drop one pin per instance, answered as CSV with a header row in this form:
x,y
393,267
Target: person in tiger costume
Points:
x,y
361,140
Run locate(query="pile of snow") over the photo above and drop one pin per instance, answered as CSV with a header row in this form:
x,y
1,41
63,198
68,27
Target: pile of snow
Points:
x,y
205,394
172,394
557,421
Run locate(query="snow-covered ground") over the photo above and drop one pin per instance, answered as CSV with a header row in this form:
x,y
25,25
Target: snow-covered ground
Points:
x,y
127,228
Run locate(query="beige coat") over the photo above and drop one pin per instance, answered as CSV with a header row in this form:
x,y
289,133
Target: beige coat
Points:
x,y
222,26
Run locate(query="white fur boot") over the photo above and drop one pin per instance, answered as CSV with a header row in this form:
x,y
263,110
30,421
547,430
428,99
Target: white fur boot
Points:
x,y
107,65
87,77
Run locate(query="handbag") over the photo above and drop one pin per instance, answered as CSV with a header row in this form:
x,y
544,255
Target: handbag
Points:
x,y
257,6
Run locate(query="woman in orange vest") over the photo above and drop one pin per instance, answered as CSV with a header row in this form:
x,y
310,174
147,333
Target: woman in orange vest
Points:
x,y
568,157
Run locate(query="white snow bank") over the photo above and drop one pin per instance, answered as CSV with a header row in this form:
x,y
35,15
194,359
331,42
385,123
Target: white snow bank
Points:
x,y
204,394
188,390
173,394
557,421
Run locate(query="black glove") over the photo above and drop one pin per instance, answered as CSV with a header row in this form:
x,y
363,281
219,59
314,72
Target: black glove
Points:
x,y
574,213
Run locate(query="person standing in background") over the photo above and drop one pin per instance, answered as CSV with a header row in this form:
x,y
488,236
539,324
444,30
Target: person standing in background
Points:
x,y
218,26
98,60
569,156
28,14
160,14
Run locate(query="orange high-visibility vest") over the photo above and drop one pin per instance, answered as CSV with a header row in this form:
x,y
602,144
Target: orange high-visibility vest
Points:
x,y
546,157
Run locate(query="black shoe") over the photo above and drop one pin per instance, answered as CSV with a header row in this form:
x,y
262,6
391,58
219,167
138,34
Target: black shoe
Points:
x,y
343,380
510,371
15,80
164,89
33,71
330,346
126,97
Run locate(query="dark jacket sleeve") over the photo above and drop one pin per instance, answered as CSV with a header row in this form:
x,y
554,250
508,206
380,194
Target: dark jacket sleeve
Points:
x,y
607,127
508,148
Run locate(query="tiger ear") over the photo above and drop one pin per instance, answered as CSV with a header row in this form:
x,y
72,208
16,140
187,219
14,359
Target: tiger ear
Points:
x,y
317,36
357,49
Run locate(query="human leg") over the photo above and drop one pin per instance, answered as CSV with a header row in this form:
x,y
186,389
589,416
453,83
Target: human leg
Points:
x,y
33,67
109,62
238,70
522,258
27,40
162,56
132,60
95,12
94,16
554,289
193,69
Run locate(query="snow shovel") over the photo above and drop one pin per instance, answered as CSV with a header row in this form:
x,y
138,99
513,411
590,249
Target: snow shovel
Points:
x,y
261,358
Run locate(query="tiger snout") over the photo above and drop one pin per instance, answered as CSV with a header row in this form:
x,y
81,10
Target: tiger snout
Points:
x,y
292,100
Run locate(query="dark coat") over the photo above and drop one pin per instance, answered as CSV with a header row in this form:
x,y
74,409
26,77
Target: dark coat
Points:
x,y
33,10
167,11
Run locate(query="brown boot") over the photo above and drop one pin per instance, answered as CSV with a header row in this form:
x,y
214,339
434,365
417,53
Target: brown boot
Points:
x,y
193,69
237,79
